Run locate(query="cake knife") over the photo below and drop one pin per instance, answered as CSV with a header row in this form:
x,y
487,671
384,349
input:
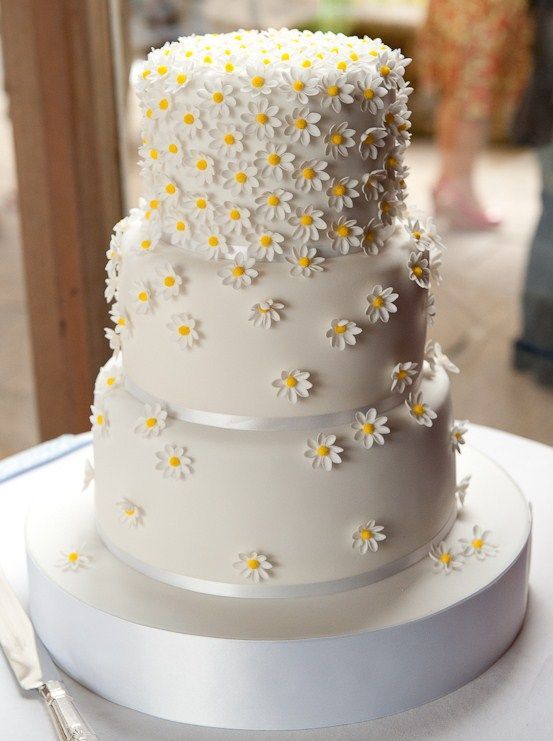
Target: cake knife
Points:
x,y
17,638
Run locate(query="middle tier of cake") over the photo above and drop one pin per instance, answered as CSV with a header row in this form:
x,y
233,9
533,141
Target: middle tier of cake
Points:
x,y
244,491
229,367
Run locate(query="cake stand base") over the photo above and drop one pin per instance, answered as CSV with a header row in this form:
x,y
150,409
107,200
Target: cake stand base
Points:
x,y
281,663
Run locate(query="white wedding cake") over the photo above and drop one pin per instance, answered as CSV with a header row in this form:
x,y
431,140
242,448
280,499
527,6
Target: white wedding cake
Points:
x,y
269,424
276,535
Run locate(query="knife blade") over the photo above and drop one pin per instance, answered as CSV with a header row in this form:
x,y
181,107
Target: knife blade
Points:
x,y
17,639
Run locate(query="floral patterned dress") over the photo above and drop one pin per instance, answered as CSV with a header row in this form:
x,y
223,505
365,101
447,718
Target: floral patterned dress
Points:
x,y
476,52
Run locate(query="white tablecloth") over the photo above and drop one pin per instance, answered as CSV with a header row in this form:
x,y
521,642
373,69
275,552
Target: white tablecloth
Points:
x,y
512,700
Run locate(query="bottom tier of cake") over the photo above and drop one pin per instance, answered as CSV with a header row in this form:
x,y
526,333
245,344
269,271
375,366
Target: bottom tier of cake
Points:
x,y
256,491
284,663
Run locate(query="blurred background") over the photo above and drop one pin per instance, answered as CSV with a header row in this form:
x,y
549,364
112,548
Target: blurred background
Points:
x,y
480,158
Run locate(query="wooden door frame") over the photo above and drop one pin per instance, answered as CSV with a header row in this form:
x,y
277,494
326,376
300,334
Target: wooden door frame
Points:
x,y
59,72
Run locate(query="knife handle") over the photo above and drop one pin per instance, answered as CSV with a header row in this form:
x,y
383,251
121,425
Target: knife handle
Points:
x,y
69,723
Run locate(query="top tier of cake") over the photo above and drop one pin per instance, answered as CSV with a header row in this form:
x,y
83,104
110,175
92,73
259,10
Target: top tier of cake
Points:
x,y
252,134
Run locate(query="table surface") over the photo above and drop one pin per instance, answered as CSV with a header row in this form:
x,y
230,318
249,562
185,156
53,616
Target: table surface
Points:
x,y
511,700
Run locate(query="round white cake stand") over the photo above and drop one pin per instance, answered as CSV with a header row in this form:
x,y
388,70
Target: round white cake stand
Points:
x,y
275,664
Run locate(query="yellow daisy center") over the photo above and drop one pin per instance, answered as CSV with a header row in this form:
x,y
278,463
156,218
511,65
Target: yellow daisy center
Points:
x,y
174,461
366,534
213,241
273,159
168,281
304,262
389,118
300,123
162,70
201,203
265,240
154,203
151,422
343,230
237,271
306,220
188,118
306,63
298,85
261,310
149,113
291,382
446,558
418,409
416,234
234,214
378,302
337,139
100,419
339,189
308,173
241,177
170,189
391,161
257,81
180,226
143,296
273,200
340,328
145,244
154,154
73,557
477,543
368,428
172,148
181,78
261,118
368,93
253,563
229,139
368,140
323,450
332,90
401,374
130,511
184,330
218,97
146,73
342,66
201,164
384,70
111,381
417,270
163,104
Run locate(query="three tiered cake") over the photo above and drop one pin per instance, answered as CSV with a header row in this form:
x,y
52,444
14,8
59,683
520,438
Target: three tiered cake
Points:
x,y
273,422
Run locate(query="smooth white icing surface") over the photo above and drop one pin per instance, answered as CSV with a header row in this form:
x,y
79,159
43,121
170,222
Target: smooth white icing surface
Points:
x,y
231,368
256,491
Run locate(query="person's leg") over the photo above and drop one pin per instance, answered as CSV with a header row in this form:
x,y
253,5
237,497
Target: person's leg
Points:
x,y
460,142
534,350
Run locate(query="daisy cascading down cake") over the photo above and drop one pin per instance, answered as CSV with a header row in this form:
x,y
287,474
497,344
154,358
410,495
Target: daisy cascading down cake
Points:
x,y
273,421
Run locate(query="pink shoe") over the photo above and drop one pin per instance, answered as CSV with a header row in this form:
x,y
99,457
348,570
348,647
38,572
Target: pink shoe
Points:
x,y
459,210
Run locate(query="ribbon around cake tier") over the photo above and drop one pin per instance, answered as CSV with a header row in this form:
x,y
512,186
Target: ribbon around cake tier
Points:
x,y
264,424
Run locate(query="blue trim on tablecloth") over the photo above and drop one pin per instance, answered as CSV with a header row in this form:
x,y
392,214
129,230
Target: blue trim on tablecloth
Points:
x,y
41,454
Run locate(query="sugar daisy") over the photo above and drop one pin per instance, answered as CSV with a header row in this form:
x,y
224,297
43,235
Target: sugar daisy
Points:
x,y
110,377
342,333
240,178
265,244
419,270
403,375
367,537
336,91
345,234
274,205
74,559
264,313
253,566
293,385
372,91
169,282
307,223
338,140
461,490
274,161
129,513
143,297
305,261
323,453
479,545
212,243
299,85
301,125
371,141
445,560
183,329
341,193
310,175
456,435
173,462
370,428
152,421
419,409
381,303
261,119
99,420
240,273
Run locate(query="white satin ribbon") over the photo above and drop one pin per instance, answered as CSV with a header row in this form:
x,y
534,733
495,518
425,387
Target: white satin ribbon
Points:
x,y
314,589
261,424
